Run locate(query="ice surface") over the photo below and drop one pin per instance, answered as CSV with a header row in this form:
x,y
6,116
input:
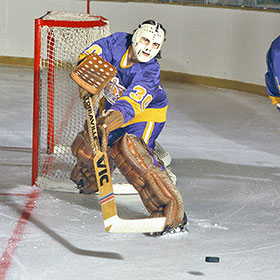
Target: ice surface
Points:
x,y
225,152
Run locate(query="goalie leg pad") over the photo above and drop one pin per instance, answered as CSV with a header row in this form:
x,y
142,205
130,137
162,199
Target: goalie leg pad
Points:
x,y
157,191
83,173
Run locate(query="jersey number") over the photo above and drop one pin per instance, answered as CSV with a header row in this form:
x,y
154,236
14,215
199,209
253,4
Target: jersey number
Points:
x,y
94,48
139,95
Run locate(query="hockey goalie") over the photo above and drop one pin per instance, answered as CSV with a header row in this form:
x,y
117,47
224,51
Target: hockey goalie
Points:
x,y
131,114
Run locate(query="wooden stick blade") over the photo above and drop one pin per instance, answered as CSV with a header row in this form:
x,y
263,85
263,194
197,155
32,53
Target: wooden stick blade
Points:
x,y
107,199
112,222
148,225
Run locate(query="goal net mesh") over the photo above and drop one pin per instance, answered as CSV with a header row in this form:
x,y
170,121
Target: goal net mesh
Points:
x,y
61,113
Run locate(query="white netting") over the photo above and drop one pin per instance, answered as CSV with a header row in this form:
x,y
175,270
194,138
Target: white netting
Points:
x,y
67,16
61,111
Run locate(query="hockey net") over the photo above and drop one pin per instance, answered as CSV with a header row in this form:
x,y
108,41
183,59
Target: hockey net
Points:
x,y
58,113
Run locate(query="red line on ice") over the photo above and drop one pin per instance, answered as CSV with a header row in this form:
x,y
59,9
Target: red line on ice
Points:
x,y
7,255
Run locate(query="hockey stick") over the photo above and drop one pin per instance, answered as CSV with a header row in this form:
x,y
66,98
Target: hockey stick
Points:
x,y
93,74
112,222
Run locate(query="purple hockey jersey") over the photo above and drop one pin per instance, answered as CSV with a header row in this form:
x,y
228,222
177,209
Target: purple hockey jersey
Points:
x,y
135,91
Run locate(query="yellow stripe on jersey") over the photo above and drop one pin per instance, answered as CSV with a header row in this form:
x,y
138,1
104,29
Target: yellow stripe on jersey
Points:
x,y
134,104
275,99
149,115
148,131
124,58
276,78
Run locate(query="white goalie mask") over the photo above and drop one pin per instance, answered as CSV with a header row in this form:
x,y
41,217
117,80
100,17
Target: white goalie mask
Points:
x,y
145,39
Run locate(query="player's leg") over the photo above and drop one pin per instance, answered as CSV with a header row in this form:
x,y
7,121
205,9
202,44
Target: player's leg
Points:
x,y
157,191
149,132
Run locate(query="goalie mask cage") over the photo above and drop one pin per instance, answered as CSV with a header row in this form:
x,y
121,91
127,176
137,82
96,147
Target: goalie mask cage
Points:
x,y
58,113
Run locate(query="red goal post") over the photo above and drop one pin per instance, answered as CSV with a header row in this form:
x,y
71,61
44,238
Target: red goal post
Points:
x,y
58,113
